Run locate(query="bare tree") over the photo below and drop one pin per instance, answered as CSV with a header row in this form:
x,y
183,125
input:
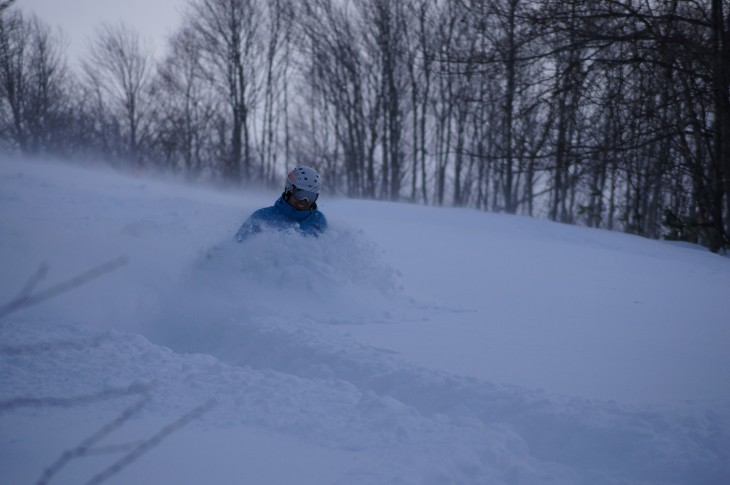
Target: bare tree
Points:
x,y
187,106
279,35
119,70
384,35
341,76
15,38
34,84
421,53
230,31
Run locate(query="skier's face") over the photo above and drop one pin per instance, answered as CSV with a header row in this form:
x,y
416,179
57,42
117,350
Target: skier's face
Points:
x,y
303,203
300,205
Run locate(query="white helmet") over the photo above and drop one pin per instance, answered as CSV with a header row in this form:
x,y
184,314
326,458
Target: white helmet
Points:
x,y
305,178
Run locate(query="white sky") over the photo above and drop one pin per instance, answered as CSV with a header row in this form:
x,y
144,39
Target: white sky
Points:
x,y
78,19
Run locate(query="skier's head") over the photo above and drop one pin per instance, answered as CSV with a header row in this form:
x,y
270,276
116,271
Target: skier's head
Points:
x,y
302,188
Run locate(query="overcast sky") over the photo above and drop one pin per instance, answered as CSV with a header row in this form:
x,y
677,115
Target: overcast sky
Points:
x,y
153,19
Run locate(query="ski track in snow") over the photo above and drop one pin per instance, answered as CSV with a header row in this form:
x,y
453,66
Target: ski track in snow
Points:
x,y
262,329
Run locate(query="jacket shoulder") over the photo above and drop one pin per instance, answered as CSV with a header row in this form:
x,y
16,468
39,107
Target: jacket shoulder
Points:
x,y
267,213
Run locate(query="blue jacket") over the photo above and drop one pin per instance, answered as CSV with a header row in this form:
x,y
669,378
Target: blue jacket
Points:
x,y
282,216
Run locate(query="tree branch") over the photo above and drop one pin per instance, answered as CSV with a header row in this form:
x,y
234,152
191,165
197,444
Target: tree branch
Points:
x,y
26,299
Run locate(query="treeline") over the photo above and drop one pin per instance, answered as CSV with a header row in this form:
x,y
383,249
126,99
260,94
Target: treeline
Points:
x,y
606,113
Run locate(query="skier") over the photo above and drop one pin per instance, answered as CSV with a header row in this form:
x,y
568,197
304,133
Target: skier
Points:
x,y
296,208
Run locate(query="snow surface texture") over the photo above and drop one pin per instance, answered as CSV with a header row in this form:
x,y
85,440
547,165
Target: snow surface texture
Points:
x,y
408,345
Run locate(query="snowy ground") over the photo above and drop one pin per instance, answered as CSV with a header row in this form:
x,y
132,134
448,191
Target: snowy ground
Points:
x,y
409,345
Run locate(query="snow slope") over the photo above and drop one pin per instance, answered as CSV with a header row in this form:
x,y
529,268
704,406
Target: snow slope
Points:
x,y
408,345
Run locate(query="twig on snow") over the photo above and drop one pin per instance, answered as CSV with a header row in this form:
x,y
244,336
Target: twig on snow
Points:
x,y
25,298
84,446
66,402
147,445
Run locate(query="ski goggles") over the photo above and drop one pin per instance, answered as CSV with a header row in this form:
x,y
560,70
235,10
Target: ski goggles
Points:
x,y
301,194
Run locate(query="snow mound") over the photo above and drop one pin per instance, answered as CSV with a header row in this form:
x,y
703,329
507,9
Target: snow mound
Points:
x,y
330,266
275,278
